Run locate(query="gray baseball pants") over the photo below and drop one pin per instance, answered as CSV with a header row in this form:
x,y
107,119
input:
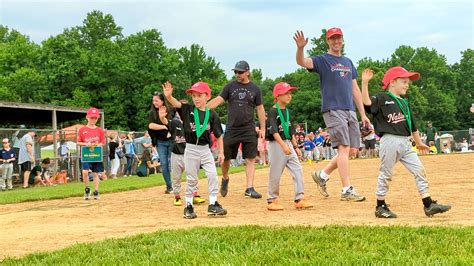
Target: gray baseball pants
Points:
x,y
6,175
196,156
177,169
278,161
398,148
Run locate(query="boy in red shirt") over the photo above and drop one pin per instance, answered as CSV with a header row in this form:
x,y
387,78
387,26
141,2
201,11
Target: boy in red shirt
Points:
x,y
91,136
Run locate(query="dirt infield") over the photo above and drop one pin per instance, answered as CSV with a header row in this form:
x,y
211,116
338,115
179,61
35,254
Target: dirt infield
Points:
x,y
55,224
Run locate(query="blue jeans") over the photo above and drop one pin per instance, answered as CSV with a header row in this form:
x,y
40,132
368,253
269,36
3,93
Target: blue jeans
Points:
x,y
130,160
164,152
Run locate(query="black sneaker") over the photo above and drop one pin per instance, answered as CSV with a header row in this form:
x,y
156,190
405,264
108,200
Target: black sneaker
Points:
x,y
87,193
168,190
384,212
224,186
189,212
251,193
96,195
216,209
435,208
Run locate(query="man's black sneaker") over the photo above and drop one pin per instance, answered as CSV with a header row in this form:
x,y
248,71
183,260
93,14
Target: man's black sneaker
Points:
x,y
435,208
251,193
189,212
96,195
216,209
224,186
384,212
87,193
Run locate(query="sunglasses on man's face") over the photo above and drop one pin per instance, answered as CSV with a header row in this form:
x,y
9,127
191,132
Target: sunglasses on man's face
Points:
x,y
239,72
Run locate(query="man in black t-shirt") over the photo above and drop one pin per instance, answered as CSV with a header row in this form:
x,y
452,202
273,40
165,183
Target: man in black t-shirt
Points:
x,y
242,97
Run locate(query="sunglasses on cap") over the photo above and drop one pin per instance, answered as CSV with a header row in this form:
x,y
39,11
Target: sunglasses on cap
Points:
x,y
157,93
239,72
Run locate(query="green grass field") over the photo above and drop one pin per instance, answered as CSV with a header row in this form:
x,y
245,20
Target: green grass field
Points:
x,y
76,189
252,244
273,246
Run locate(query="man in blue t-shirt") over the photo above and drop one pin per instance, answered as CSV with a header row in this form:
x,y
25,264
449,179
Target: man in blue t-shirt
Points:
x,y
339,92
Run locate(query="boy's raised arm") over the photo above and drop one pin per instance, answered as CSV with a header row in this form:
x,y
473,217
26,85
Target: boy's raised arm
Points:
x,y
168,92
367,74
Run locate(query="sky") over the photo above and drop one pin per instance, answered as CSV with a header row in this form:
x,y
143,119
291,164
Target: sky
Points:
x,y
261,32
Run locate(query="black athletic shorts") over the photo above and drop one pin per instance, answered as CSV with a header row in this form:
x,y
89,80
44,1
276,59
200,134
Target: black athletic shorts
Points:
x,y
369,144
26,166
233,139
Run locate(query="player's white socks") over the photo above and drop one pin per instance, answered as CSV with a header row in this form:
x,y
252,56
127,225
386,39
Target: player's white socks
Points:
x,y
212,200
189,200
345,189
324,175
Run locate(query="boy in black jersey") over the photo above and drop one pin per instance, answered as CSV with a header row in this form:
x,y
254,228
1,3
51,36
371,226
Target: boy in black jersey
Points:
x,y
198,122
394,123
283,150
175,127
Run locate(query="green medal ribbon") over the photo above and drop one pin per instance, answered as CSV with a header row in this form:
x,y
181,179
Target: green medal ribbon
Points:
x,y
284,124
200,128
405,108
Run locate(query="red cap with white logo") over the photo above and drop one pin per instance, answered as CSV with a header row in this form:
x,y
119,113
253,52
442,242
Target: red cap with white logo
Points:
x,y
93,112
200,87
398,72
282,88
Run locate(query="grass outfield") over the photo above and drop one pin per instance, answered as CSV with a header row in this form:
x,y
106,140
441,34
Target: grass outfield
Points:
x,y
76,189
266,245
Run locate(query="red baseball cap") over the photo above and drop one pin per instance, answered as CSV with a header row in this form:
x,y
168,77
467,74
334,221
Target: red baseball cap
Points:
x,y
333,31
93,112
398,72
200,87
282,88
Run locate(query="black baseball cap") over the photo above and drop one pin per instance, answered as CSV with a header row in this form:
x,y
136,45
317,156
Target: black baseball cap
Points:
x,y
241,66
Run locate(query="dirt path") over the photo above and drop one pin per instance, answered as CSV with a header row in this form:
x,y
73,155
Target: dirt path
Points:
x,y
55,224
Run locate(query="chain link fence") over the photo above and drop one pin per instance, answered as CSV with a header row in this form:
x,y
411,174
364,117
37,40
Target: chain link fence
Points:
x,y
61,148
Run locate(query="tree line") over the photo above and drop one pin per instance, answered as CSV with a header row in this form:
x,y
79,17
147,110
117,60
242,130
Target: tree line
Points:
x,y
95,65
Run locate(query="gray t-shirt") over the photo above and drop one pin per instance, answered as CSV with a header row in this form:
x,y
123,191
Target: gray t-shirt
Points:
x,y
23,155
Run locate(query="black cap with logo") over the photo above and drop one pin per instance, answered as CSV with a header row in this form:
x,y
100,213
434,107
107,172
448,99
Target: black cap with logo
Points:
x,y
241,66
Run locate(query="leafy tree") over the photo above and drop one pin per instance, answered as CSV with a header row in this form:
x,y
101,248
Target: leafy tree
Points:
x,y
465,83
16,51
28,84
93,64
97,27
320,46
7,95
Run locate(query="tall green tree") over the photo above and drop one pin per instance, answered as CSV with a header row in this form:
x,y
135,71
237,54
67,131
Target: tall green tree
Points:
x,y
98,26
465,83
